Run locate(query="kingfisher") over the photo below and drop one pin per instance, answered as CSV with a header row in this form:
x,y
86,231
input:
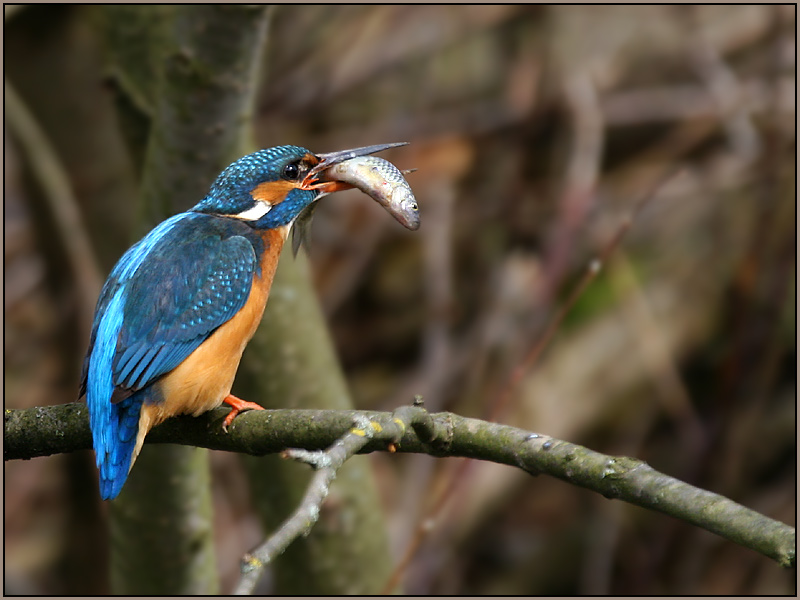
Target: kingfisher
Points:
x,y
178,309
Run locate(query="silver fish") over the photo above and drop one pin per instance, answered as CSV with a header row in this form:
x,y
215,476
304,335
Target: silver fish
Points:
x,y
381,181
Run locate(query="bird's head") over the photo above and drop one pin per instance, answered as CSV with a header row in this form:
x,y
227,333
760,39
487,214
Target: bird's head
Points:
x,y
272,187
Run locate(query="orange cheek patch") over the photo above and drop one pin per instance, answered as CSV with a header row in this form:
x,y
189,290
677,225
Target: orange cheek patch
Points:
x,y
272,192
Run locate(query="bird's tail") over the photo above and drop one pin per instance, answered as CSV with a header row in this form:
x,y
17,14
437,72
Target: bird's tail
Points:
x,y
114,429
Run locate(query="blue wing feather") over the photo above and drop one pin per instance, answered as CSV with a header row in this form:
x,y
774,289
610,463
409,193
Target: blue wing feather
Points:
x,y
168,315
164,297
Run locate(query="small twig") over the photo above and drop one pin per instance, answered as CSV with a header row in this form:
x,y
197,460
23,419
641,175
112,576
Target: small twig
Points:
x,y
726,90
327,463
691,102
580,178
306,515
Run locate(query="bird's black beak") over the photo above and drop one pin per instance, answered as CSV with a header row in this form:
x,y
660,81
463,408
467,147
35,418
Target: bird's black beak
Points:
x,y
328,159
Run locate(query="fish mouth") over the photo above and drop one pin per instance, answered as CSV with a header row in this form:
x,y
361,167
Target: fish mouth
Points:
x,y
329,159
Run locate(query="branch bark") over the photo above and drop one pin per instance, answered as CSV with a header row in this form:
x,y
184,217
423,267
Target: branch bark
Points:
x,y
42,431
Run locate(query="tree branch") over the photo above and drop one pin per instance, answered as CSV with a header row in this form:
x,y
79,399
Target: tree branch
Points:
x,y
42,431
327,463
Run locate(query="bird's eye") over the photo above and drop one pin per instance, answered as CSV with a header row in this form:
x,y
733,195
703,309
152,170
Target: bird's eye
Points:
x,y
291,171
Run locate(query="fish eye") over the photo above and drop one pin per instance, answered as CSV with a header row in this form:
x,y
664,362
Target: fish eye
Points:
x,y
291,171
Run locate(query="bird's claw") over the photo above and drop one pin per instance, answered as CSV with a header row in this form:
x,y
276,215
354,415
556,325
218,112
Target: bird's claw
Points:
x,y
237,405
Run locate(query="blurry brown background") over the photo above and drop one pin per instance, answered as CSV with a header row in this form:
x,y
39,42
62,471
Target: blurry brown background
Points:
x,y
534,130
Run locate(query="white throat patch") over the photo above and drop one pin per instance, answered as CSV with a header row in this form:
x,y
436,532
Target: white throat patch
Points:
x,y
254,213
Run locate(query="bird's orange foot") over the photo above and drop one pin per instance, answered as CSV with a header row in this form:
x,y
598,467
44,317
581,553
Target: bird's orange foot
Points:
x,y
237,406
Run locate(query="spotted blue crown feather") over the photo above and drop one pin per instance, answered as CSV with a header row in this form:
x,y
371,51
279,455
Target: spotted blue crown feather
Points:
x,y
230,193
